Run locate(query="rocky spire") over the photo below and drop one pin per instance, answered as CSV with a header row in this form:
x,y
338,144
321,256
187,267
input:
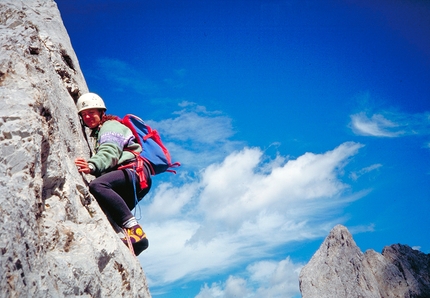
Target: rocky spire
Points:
x,y
340,269
54,239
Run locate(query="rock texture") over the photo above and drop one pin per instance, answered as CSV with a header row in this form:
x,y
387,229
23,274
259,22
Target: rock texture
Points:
x,y
340,269
54,239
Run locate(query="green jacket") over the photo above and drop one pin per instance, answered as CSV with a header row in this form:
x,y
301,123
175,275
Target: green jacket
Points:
x,y
111,140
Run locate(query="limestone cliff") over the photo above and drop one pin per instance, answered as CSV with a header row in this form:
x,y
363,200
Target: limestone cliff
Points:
x,y
54,239
340,269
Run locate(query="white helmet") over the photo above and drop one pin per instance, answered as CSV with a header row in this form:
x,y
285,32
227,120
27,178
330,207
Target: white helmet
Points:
x,y
90,101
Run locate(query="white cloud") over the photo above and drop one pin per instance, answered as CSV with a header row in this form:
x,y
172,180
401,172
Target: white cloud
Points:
x,y
390,124
362,229
237,184
198,136
278,279
233,287
363,171
170,200
261,279
200,128
377,126
239,210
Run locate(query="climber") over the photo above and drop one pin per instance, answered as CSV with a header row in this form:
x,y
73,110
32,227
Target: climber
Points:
x,y
117,191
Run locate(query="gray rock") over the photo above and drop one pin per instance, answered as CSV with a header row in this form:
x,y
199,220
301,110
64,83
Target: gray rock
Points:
x,y
340,269
413,266
54,239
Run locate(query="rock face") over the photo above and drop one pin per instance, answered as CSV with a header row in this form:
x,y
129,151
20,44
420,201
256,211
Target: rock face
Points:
x,y
54,239
340,269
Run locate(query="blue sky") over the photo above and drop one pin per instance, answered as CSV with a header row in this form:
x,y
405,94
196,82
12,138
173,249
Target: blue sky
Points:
x,y
288,117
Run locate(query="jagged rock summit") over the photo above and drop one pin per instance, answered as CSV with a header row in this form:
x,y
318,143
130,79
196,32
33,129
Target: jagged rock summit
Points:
x,y
54,240
339,269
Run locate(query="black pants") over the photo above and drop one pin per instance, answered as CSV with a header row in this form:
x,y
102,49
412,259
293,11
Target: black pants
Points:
x,y
115,194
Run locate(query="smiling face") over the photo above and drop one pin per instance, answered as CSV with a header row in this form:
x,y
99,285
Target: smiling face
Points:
x,y
91,117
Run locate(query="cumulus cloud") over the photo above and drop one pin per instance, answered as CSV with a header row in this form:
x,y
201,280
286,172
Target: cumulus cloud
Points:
x,y
239,210
261,279
238,184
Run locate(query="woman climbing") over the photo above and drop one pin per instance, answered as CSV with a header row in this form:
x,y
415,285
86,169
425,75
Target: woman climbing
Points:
x,y
117,186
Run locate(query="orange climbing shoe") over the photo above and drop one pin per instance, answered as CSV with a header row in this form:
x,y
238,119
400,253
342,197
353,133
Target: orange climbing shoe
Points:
x,y
137,238
135,233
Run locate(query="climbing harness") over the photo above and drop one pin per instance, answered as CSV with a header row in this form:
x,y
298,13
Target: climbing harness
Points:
x,y
137,168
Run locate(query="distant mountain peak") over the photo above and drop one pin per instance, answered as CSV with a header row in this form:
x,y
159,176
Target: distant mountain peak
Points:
x,y
339,269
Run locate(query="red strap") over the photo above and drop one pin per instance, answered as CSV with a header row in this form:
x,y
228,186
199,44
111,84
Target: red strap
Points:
x,y
141,173
137,166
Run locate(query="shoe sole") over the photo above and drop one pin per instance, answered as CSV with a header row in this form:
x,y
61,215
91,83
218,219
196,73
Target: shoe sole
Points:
x,y
140,246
